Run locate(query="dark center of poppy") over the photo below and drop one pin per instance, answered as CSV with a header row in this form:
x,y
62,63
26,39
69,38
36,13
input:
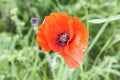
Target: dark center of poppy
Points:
x,y
63,38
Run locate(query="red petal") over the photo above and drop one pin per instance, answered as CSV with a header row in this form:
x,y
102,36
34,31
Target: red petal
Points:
x,y
73,52
62,21
73,59
80,35
54,25
42,40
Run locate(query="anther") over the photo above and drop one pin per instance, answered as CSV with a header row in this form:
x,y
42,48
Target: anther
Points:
x,y
62,38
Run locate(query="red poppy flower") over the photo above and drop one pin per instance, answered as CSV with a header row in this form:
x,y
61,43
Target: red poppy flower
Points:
x,y
69,37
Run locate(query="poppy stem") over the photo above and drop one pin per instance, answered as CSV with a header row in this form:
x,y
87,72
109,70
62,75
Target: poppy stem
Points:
x,y
35,27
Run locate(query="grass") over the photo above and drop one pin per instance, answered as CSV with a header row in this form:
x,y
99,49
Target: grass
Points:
x,y
22,59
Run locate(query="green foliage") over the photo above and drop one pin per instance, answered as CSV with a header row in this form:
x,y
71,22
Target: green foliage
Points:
x,y
21,58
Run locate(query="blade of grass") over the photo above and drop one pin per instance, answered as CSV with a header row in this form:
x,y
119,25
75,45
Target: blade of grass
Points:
x,y
112,18
103,48
96,37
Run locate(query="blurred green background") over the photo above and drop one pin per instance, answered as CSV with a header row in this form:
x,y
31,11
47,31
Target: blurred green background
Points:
x,y
21,58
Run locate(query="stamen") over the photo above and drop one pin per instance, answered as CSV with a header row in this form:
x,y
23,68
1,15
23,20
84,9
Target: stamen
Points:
x,y
63,38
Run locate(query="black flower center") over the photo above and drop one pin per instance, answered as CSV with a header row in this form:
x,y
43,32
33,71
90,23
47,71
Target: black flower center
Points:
x,y
62,38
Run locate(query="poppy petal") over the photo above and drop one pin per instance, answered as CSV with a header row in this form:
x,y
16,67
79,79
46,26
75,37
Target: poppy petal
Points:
x,y
62,21
53,27
73,59
42,40
80,34
73,52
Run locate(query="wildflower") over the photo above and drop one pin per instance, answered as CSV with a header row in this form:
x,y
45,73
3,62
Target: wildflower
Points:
x,y
34,20
69,37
